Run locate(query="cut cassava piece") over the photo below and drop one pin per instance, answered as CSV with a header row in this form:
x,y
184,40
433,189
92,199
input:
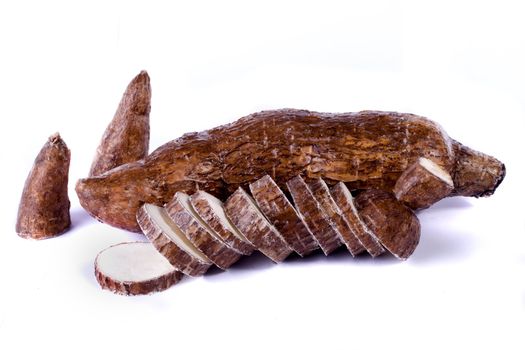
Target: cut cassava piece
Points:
x,y
281,214
198,233
134,268
246,216
43,211
313,215
344,200
422,184
322,194
126,138
394,224
366,150
211,211
170,241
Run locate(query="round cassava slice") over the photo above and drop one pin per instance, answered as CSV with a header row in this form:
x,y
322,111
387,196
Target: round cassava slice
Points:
x,y
313,216
211,211
246,216
170,241
134,268
281,214
394,224
322,194
344,200
201,235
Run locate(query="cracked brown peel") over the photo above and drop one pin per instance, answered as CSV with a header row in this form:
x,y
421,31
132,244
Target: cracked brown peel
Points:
x,y
366,150
43,211
170,241
313,215
344,200
246,216
134,268
322,194
394,224
280,212
211,211
423,184
199,233
126,138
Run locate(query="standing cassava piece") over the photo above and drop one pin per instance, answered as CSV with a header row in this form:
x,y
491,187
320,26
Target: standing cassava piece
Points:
x,y
44,207
365,150
126,138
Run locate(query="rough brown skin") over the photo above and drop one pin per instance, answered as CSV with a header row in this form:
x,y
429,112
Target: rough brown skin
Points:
x,y
394,224
366,150
126,138
44,207
313,215
135,287
418,188
280,212
343,198
213,247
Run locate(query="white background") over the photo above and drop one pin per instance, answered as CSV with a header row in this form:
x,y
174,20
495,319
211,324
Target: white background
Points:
x,y
64,66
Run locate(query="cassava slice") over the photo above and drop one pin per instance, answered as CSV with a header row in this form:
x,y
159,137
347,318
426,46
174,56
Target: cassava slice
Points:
x,y
43,211
344,200
313,216
126,138
322,194
394,224
246,216
201,235
134,268
281,214
422,184
170,241
211,211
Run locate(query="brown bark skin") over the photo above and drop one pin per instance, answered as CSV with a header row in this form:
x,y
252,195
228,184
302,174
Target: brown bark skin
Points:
x,y
205,211
417,188
136,287
178,257
280,212
243,214
394,224
313,215
126,138
215,249
44,207
343,199
366,150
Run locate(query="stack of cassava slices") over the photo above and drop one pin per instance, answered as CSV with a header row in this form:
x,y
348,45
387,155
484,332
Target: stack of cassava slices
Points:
x,y
194,232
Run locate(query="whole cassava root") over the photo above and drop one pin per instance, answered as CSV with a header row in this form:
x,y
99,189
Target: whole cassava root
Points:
x,y
365,150
44,207
126,138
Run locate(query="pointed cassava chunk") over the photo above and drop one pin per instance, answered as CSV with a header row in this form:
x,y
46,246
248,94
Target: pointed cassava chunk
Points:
x,y
343,199
211,211
134,268
170,241
246,216
313,216
423,184
126,138
199,233
44,207
322,194
280,212
394,224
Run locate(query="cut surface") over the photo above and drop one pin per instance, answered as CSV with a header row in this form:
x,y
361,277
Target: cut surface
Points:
x,y
246,216
134,268
199,233
280,212
210,209
436,170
